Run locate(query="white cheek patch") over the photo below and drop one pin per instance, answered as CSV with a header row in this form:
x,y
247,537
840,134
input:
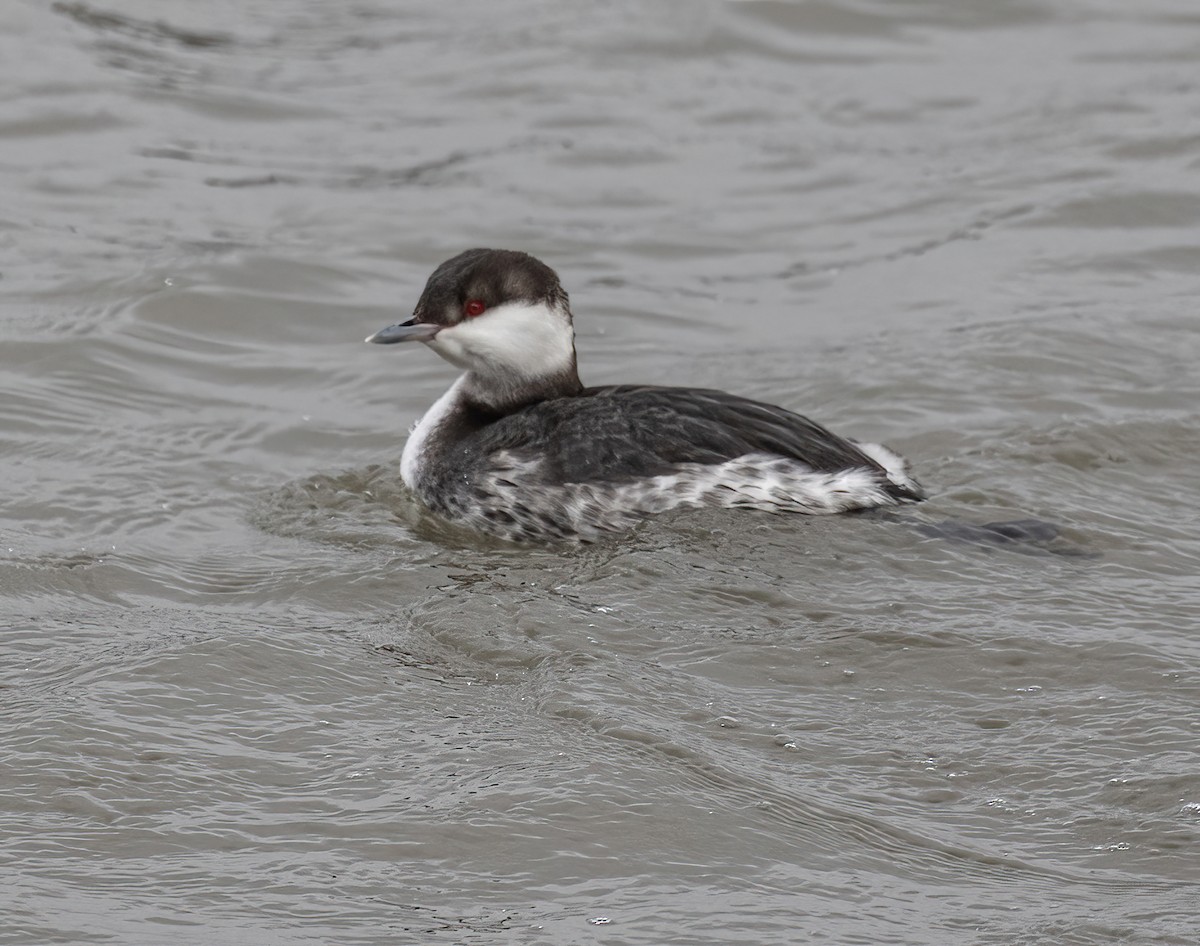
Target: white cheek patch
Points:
x,y
517,338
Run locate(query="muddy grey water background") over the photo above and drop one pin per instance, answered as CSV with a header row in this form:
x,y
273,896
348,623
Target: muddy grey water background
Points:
x,y
251,694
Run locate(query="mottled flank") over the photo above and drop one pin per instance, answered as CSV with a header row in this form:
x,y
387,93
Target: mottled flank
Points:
x,y
514,501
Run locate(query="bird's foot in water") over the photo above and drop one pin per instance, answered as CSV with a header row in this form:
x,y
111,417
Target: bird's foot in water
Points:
x,y
1019,535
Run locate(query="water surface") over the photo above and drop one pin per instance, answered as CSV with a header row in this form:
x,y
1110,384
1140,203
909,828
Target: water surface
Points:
x,y
253,693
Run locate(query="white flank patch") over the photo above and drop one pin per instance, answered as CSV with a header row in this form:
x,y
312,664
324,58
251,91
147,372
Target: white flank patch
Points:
x,y
584,511
893,464
762,481
418,438
514,340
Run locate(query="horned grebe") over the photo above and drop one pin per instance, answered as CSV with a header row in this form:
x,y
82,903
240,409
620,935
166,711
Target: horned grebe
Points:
x,y
518,447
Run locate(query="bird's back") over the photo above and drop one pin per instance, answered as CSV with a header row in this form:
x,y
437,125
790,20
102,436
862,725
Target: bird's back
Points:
x,y
624,432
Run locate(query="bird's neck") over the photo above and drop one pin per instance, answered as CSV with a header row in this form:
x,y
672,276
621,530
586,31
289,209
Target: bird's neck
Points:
x,y
498,396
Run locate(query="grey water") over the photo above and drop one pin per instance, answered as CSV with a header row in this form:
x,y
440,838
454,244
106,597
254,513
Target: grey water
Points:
x,y
250,692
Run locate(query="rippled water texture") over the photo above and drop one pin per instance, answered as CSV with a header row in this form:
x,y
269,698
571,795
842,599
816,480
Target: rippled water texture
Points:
x,y
251,693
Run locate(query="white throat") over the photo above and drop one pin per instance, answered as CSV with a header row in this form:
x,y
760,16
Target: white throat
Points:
x,y
513,343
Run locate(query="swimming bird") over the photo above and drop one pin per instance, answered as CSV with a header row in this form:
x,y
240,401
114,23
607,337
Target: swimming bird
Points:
x,y
519,448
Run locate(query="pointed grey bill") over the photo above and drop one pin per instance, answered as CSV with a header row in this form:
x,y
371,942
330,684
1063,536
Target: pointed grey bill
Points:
x,y
410,331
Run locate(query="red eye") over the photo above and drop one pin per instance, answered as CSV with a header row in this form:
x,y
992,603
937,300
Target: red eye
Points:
x,y
473,308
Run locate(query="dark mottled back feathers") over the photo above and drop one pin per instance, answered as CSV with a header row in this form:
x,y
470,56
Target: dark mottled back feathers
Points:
x,y
626,432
